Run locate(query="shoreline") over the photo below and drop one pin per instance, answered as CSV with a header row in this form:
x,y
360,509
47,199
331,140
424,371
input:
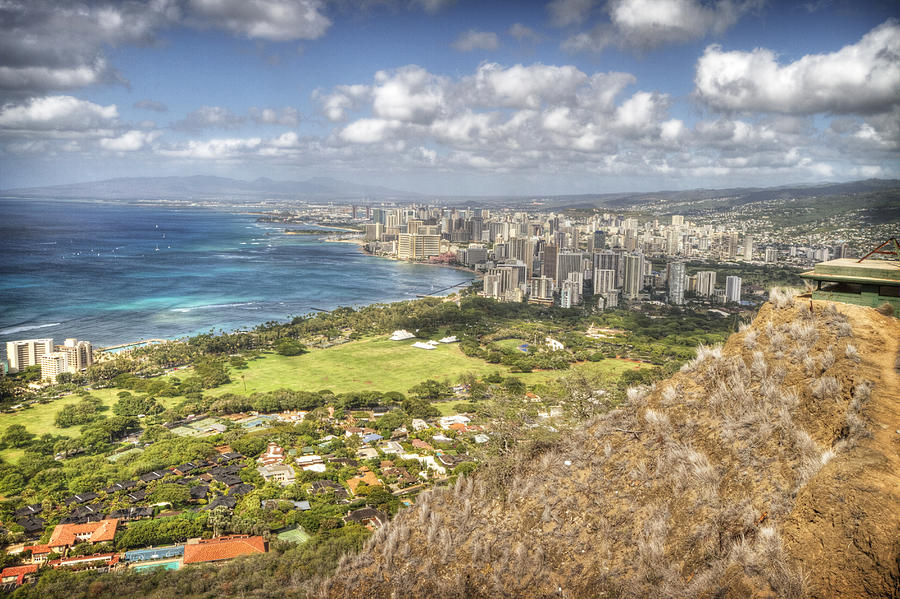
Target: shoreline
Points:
x,y
475,275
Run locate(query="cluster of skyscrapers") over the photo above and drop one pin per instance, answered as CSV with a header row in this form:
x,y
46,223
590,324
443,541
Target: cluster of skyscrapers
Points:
x,y
548,258
72,356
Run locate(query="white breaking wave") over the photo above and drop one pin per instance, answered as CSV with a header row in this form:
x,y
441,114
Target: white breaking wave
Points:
x,y
28,327
211,306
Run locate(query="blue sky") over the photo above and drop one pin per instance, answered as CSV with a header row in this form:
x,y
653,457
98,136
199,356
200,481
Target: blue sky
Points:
x,y
444,97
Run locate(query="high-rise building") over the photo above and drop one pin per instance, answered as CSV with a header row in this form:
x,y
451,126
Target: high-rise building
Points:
x,y
27,352
80,354
732,245
673,238
630,239
570,290
505,283
732,289
677,220
748,247
548,263
542,288
597,241
53,364
675,280
634,275
608,300
706,282
475,254
523,249
417,247
567,262
771,255
374,232
604,280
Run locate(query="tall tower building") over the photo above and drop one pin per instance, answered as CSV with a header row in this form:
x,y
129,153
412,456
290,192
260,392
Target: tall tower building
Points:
x,y
748,247
549,263
28,352
732,289
675,278
706,282
634,275
567,262
732,245
604,280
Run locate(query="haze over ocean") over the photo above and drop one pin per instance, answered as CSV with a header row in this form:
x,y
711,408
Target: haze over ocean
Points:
x,y
92,270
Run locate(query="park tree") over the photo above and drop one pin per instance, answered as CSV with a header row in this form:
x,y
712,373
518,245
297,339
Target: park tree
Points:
x,y
289,347
136,405
392,420
16,436
431,390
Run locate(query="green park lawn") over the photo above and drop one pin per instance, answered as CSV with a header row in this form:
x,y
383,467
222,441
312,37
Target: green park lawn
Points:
x,y
376,364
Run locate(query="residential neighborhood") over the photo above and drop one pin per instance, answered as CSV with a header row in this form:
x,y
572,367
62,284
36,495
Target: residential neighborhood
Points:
x,y
352,476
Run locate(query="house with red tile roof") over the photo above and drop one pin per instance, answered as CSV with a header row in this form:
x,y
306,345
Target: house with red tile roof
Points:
x,y
39,553
366,476
198,551
67,535
16,575
420,444
99,561
274,455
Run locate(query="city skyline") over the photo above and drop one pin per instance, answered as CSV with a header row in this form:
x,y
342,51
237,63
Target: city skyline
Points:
x,y
570,96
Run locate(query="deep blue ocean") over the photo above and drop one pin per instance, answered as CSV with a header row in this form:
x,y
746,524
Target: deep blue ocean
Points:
x,y
113,273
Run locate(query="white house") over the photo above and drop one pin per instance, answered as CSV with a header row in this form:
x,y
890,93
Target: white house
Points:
x,y
281,473
446,421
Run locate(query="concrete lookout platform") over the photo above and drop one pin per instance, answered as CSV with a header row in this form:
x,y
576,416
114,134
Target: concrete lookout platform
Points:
x,y
864,283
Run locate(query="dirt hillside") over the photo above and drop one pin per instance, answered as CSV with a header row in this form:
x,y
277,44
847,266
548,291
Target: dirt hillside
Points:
x,y
766,468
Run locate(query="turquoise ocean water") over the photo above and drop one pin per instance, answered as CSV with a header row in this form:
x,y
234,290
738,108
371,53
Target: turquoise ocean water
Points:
x,y
114,273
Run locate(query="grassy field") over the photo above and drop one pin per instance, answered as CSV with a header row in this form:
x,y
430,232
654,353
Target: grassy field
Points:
x,y
377,364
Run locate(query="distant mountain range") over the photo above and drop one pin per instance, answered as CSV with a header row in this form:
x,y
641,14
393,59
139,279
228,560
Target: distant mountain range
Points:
x,y
223,189
201,187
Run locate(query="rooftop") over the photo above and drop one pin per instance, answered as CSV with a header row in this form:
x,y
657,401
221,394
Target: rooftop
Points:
x,y
211,550
65,535
852,271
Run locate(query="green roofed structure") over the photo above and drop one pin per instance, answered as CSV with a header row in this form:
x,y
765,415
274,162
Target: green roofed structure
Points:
x,y
864,282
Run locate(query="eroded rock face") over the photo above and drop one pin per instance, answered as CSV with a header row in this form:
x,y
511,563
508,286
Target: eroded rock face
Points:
x,y
767,467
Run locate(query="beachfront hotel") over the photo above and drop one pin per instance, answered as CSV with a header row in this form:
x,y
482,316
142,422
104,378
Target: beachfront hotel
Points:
x,y
27,352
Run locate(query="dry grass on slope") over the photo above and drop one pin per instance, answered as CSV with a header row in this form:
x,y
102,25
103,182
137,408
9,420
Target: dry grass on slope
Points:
x,y
685,492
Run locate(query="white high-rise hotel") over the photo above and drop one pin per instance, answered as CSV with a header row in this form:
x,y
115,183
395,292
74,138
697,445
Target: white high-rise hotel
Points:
x,y
732,289
28,352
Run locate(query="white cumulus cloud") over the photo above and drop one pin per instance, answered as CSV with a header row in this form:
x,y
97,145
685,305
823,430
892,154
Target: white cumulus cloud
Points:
x,y
130,141
860,78
273,20
57,113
